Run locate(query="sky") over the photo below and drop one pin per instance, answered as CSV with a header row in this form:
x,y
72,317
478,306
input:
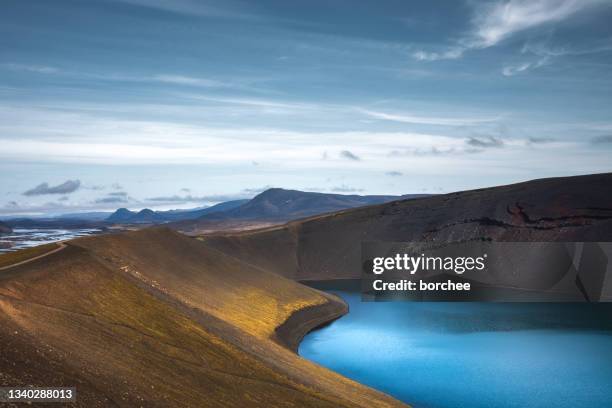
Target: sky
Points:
x,y
183,103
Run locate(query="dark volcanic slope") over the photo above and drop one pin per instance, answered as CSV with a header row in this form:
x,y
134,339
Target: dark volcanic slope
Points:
x,y
328,247
155,319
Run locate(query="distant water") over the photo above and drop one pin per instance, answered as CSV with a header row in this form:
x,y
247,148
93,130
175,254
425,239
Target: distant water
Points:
x,y
28,237
473,355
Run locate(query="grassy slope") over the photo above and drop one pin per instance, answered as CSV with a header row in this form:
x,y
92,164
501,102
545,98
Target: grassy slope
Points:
x,y
204,278
153,318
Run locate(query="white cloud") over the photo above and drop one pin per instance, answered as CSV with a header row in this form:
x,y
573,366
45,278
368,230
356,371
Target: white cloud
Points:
x,y
188,7
186,80
239,83
255,102
511,70
92,137
492,23
428,120
500,20
39,69
450,53
343,188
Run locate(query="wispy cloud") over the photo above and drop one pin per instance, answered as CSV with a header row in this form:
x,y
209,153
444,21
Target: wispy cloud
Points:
x,y
511,70
254,102
118,194
113,198
346,189
542,53
170,79
191,81
426,151
428,120
453,52
394,173
501,20
540,140
205,199
39,69
238,83
69,186
208,8
495,22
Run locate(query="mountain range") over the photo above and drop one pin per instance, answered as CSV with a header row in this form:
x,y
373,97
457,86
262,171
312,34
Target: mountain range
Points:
x,y
271,207
148,216
275,204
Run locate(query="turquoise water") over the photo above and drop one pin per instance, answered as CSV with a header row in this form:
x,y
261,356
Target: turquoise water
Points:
x,y
438,355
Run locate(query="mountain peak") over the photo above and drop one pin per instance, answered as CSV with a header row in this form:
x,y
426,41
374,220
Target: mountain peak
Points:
x,y
120,216
283,204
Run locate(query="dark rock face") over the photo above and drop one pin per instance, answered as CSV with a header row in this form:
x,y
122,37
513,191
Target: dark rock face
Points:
x,y
328,247
5,229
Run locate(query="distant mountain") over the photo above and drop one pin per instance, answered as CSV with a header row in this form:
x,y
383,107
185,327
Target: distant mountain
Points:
x,y
145,216
148,216
5,229
281,204
89,216
122,215
276,206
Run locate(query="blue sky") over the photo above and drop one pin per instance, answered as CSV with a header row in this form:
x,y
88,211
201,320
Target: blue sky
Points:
x,y
182,103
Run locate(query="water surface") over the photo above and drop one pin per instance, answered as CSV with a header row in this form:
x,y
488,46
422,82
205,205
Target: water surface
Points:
x,y
439,355
28,237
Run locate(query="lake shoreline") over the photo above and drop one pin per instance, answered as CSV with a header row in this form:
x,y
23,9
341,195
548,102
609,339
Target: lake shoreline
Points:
x,y
292,331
